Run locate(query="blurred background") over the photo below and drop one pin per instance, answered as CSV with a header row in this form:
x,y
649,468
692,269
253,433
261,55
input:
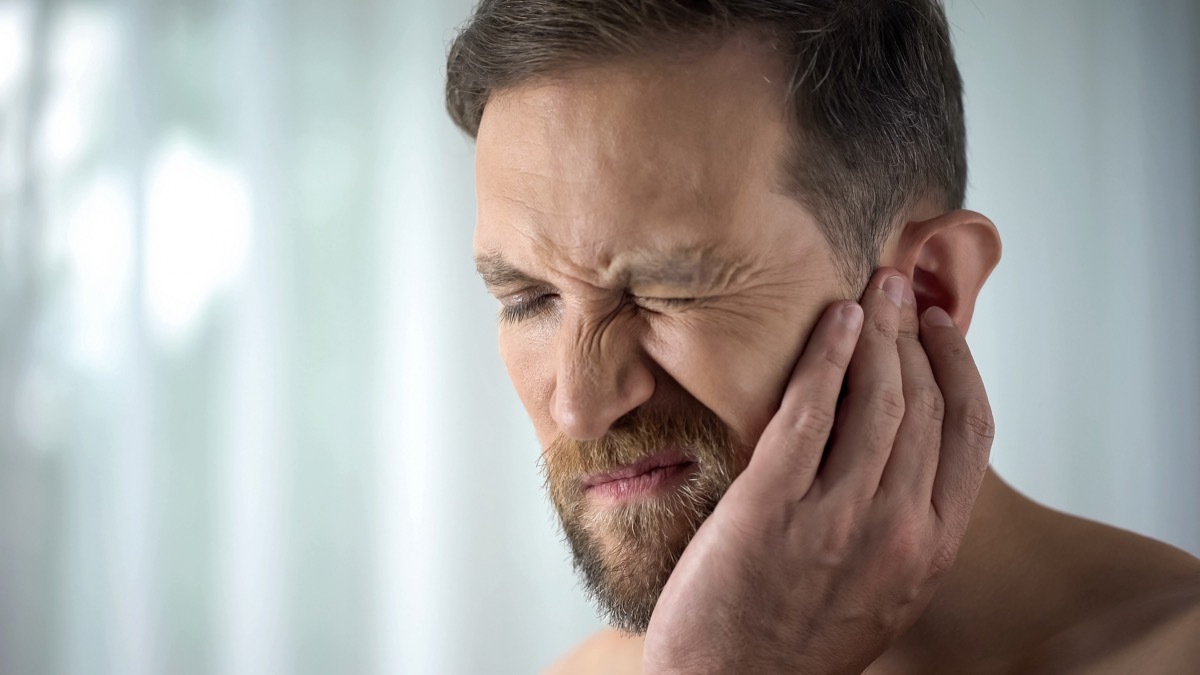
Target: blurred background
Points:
x,y
252,417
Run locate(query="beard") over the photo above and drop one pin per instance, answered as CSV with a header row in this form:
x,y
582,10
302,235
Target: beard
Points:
x,y
625,553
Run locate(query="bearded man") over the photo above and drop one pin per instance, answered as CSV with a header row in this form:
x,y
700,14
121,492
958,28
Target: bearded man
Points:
x,y
735,278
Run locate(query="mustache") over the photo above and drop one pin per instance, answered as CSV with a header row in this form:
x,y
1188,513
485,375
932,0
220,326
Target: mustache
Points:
x,y
696,431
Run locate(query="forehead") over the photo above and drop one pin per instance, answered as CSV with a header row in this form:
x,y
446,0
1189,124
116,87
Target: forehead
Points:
x,y
641,156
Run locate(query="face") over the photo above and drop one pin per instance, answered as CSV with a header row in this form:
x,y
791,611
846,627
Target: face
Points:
x,y
656,288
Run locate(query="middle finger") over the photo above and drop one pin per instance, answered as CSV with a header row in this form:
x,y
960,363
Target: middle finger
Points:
x,y
874,405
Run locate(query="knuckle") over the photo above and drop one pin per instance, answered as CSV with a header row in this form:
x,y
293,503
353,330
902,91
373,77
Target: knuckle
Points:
x,y
942,561
886,329
906,597
837,537
836,356
905,544
956,352
887,401
811,420
977,418
927,401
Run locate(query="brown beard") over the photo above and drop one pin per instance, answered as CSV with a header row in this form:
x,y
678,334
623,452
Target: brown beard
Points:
x,y
625,554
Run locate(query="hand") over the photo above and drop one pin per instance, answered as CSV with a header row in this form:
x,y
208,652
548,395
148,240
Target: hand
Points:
x,y
812,565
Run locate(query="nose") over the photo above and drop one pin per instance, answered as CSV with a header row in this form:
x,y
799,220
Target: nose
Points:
x,y
601,373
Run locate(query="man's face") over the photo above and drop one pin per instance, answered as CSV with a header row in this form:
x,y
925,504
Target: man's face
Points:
x,y
657,287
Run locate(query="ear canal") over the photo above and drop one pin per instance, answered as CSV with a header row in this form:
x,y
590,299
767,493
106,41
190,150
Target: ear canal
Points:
x,y
930,291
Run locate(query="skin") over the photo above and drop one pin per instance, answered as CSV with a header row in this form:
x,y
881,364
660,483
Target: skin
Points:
x,y
608,195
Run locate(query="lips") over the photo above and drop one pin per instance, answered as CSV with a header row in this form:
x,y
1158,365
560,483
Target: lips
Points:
x,y
647,475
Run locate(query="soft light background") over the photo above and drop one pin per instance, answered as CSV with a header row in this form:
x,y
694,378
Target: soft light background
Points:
x,y
252,419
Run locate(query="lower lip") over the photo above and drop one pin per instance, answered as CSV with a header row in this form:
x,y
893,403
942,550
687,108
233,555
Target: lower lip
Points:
x,y
642,485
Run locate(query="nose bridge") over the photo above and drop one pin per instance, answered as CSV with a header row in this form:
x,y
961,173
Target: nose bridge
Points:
x,y
600,375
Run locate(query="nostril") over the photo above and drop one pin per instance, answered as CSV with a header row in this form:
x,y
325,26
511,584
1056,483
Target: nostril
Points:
x,y
571,417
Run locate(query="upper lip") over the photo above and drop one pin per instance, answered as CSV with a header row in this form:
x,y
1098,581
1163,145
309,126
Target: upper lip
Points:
x,y
655,461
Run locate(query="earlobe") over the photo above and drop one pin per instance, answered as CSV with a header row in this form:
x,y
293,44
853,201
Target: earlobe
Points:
x,y
948,257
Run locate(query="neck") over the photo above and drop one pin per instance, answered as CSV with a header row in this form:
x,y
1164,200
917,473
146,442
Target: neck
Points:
x,y
977,607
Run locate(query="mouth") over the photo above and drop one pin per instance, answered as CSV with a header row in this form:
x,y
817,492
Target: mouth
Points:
x,y
657,473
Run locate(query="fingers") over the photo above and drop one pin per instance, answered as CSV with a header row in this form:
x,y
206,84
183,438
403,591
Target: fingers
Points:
x,y
915,419
789,450
968,429
911,468
874,406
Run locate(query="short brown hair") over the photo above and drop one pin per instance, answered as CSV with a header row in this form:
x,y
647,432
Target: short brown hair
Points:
x,y
875,94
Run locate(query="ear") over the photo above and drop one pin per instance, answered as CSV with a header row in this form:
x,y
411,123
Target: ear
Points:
x,y
948,258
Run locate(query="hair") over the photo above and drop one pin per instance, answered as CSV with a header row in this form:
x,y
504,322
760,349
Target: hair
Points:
x,y
874,97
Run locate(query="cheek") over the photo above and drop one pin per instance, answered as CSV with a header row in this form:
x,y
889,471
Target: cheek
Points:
x,y
532,375
738,369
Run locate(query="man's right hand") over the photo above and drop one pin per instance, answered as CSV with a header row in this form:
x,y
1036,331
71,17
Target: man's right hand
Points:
x,y
812,565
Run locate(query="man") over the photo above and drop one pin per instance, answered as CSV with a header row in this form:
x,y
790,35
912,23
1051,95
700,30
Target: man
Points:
x,y
735,278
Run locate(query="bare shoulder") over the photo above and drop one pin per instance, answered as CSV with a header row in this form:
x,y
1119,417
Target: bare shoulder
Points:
x,y
1138,606
1157,633
607,652
1173,646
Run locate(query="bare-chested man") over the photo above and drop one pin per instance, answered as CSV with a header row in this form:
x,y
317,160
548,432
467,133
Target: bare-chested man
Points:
x,y
735,277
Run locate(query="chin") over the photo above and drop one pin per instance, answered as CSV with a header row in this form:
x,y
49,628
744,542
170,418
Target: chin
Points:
x,y
626,554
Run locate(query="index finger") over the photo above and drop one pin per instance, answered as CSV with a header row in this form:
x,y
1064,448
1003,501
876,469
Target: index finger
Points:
x,y
968,427
790,448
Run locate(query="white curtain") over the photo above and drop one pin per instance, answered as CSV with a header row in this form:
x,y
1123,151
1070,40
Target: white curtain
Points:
x,y
252,418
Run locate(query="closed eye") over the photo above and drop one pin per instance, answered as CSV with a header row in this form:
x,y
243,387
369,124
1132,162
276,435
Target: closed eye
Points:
x,y
657,304
526,307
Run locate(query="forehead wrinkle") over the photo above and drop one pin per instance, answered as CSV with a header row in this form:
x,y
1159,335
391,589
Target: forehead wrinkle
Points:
x,y
564,241
694,267
511,218
590,249
689,266
601,171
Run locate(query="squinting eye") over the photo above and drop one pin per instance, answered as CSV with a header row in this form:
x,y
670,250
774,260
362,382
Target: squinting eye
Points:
x,y
519,311
655,304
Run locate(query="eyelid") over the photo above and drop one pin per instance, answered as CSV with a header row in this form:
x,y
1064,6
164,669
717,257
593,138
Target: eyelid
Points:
x,y
516,307
672,302
515,297
528,303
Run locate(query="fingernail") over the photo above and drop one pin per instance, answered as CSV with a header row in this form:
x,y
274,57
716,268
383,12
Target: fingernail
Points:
x,y
851,315
936,316
909,298
894,288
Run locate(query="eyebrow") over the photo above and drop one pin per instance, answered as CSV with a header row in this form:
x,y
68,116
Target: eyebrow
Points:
x,y
497,272
691,267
